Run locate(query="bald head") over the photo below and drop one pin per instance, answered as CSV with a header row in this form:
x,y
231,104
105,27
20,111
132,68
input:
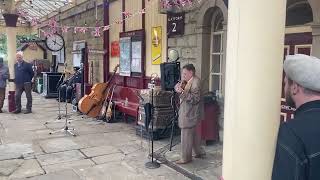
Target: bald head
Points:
x,y
19,56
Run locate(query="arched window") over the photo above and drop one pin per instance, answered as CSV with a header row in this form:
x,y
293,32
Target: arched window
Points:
x,y
216,54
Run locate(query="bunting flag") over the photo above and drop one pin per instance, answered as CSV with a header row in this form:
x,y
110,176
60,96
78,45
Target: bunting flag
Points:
x,y
96,30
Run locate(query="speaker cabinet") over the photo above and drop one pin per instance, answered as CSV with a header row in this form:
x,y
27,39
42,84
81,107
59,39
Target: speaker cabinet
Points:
x,y
170,75
50,84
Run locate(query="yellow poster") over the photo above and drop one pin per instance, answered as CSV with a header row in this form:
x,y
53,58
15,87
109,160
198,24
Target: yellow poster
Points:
x,y
156,45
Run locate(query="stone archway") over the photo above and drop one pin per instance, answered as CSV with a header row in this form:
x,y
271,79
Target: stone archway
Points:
x,y
212,12
204,18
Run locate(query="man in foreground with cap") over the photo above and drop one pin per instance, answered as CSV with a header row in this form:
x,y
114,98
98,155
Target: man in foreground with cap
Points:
x,y
298,148
4,75
23,77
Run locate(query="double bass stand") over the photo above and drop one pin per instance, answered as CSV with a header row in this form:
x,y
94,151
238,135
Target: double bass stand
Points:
x,y
66,128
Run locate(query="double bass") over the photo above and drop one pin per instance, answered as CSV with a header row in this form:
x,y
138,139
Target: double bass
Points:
x,y
91,104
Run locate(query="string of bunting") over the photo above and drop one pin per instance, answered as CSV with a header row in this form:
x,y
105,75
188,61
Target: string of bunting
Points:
x,y
96,30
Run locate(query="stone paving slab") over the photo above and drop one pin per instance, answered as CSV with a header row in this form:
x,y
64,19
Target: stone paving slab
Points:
x,y
43,134
60,157
7,167
59,144
80,164
60,175
100,150
117,157
210,173
28,168
112,171
92,140
130,148
14,150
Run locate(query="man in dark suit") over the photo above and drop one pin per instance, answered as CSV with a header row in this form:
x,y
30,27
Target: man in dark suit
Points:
x,y
298,147
23,81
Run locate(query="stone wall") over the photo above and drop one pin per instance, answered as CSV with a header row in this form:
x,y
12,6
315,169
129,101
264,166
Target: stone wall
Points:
x,y
79,16
186,45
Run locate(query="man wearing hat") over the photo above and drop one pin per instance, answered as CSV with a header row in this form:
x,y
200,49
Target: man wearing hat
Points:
x,y
4,75
23,77
298,147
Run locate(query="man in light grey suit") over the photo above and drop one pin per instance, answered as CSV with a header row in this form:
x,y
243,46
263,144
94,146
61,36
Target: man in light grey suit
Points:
x,y
189,114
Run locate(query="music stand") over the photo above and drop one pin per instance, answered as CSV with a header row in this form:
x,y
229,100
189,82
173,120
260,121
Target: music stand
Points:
x,y
66,128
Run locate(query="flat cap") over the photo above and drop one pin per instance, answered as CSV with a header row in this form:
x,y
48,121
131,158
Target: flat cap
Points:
x,y
304,70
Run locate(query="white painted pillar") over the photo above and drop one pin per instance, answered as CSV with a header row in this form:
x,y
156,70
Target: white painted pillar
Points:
x,y
12,49
253,87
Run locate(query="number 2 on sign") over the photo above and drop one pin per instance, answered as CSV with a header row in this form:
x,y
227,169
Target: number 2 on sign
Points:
x,y
174,27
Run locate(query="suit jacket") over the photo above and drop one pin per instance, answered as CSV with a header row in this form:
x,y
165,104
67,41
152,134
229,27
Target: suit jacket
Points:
x,y
23,73
190,104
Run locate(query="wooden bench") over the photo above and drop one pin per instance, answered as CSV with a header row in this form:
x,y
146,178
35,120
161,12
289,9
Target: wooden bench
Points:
x,y
119,98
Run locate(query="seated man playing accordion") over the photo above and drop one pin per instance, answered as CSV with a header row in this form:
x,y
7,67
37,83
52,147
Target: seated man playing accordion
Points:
x,y
67,88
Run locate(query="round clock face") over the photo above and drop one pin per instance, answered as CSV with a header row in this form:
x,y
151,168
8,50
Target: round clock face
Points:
x,y
55,42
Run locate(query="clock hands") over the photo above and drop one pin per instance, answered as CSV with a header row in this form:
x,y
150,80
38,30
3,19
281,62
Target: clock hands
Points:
x,y
55,42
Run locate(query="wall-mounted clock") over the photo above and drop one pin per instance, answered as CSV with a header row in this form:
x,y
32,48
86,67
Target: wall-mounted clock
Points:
x,y
55,42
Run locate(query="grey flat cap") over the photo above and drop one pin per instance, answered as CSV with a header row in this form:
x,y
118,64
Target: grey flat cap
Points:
x,y
304,70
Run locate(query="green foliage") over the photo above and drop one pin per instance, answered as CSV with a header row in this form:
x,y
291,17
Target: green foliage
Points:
x,y
25,37
3,45
3,42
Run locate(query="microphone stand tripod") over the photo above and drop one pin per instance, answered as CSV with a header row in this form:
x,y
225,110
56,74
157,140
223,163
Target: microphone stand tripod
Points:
x,y
174,104
152,164
59,99
175,118
66,128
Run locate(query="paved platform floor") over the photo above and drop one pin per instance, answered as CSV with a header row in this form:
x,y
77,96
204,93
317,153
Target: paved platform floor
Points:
x,y
99,151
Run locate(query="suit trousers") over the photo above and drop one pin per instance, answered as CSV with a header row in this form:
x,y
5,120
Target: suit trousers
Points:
x,y
190,140
20,88
2,96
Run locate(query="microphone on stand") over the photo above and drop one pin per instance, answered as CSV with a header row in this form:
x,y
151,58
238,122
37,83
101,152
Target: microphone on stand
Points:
x,y
149,107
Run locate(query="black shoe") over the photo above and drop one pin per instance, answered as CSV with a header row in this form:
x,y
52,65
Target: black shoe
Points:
x,y
1,111
17,111
28,112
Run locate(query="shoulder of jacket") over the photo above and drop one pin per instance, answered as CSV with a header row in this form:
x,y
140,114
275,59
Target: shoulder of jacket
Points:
x,y
196,80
